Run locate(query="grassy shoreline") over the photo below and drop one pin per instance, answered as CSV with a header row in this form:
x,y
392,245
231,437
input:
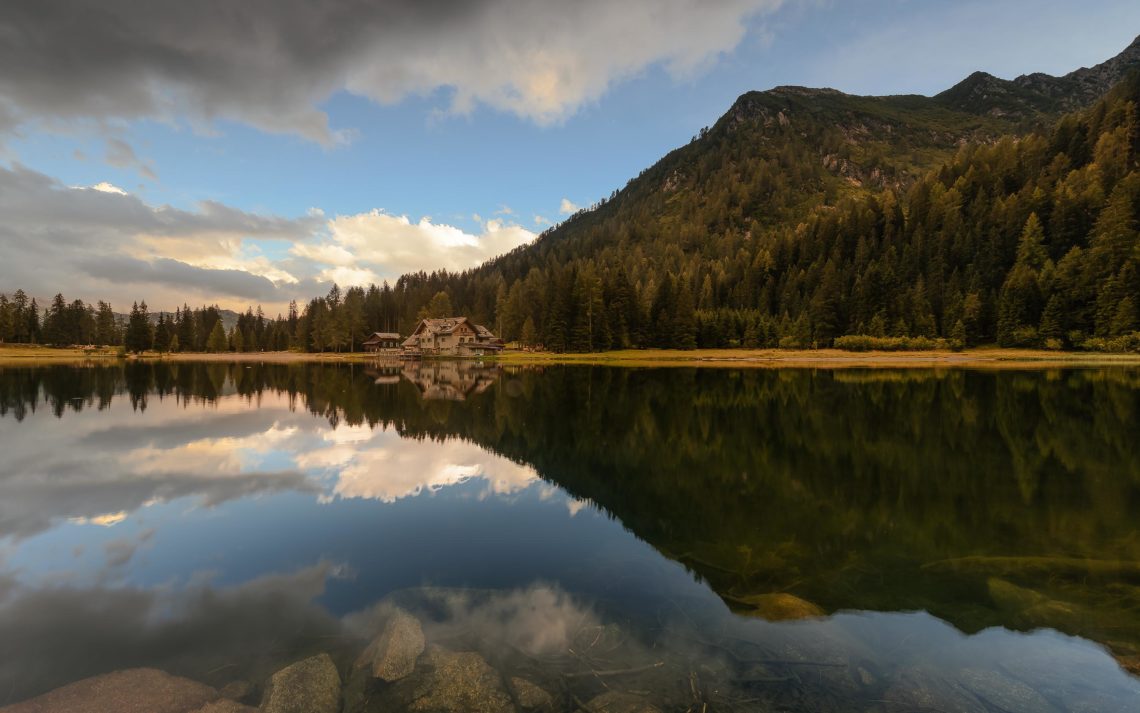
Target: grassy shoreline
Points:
x,y
826,358
724,358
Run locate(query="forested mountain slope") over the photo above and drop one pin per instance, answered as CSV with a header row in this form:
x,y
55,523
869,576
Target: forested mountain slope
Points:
x,y
803,215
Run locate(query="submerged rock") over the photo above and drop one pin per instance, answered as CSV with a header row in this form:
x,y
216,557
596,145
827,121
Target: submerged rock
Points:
x,y
309,686
236,690
458,682
225,706
393,653
1030,607
138,690
1004,693
1009,597
781,606
530,695
923,689
620,702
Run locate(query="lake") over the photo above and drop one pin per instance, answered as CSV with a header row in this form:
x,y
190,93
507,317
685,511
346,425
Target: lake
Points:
x,y
574,538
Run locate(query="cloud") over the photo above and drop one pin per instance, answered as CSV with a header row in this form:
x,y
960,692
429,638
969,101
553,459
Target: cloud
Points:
x,y
119,552
106,187
103,243
108,464
567,207
120,154
271,63
367,247
380,466
185,631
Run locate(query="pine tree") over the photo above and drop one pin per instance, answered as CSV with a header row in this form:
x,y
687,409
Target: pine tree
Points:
x,y
529,335
438,306
139,337
684,325
1124,320
106,331
161,335
1053,319
217,340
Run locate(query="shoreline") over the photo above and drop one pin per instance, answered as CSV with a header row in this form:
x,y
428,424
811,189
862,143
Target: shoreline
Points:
x,y
978,358
986,358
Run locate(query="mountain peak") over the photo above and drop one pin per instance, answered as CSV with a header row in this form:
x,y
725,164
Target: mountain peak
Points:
x,y
1030,94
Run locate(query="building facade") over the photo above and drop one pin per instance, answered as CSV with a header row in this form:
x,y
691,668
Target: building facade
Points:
x,y
451,336
382,342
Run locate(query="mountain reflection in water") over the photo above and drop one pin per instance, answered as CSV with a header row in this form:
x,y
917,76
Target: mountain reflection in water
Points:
x,y
957,540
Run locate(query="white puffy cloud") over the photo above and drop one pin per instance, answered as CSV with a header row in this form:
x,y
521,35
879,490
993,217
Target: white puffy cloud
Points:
x,y
108,187
541,60
378,465
567,207
366,247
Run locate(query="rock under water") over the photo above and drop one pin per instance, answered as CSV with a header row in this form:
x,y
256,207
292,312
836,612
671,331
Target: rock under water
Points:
x,y
393,653
308,686
137,690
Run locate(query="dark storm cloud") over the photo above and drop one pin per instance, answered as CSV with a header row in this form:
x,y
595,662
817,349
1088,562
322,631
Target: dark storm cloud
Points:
x,y
271,62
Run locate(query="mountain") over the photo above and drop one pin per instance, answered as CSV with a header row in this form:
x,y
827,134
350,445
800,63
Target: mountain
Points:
x,y
996,211
983,93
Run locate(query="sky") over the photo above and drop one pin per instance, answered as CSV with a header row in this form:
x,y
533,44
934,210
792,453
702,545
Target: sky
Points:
x,y
214,152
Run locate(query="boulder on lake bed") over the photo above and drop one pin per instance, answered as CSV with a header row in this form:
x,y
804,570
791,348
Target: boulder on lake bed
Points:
x,y
458,682
137,690
620,702
309,686
393,653
530,695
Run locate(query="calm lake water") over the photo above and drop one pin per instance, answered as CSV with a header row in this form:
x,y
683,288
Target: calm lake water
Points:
x,y
761,540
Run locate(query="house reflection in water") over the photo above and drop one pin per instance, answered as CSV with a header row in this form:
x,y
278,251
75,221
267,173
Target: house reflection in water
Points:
x,y
449,380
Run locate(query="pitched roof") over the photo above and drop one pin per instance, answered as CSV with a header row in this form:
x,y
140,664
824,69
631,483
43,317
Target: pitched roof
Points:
x,y
447,325
381,336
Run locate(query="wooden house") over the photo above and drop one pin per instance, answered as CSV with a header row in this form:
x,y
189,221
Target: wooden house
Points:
x,y
451,336
382,342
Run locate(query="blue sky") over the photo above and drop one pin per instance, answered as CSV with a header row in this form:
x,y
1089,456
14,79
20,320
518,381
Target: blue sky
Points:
x,y
455,125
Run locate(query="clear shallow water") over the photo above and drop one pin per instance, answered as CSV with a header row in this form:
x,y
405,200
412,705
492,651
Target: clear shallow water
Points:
x,y
958,540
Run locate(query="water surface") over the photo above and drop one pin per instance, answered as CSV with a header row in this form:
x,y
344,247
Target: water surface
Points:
x,y
798,540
